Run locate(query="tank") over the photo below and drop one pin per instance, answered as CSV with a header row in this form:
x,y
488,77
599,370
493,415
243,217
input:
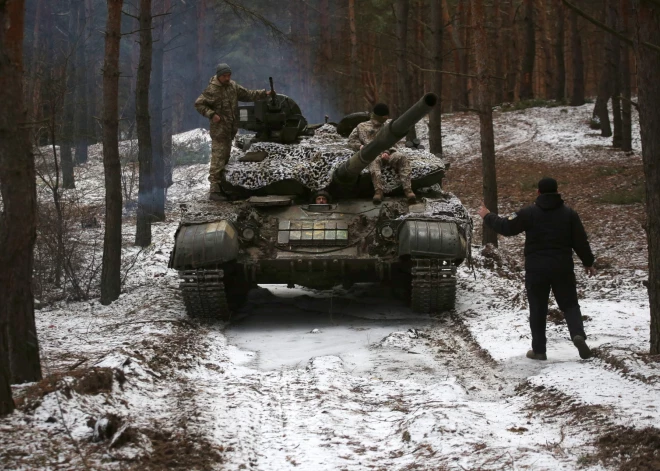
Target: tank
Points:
x,y
273,229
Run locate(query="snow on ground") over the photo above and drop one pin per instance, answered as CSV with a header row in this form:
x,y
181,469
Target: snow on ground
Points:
x,y
339,379
559,134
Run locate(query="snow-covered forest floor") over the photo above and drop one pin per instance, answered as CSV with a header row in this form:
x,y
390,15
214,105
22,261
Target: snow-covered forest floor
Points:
x,y
352,379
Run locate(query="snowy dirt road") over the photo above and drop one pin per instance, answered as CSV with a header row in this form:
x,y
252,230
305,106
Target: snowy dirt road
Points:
x,y
351,378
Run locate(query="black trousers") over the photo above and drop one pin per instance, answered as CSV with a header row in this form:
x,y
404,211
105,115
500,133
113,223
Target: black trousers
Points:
x,y
538,285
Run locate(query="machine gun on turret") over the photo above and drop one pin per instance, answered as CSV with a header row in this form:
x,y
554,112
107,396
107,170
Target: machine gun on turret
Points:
x,y
273,95
276,119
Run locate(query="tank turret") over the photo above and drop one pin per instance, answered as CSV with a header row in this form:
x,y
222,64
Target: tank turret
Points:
x,y
348,172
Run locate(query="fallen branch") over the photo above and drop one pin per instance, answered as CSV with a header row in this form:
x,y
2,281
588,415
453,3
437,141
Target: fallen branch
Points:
x,y
154,321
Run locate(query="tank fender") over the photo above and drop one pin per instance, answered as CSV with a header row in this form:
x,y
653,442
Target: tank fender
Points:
x,y
436,239
204,245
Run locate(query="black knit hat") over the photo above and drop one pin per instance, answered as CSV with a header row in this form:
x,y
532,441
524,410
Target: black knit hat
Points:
x,y
381,109
222,69
547,185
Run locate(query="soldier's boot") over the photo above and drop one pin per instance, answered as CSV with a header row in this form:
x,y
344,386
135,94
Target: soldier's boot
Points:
x,y
583,348
410,196
215,193
378,197
536,356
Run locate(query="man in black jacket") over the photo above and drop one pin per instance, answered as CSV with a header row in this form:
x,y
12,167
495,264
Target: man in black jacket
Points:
x,y
552,232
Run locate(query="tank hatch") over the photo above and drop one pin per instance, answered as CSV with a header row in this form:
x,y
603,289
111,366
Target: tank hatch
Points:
x,y
312,233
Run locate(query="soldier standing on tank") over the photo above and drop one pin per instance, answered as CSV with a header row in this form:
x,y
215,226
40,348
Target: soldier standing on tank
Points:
x,y
219,103
552,232
362,135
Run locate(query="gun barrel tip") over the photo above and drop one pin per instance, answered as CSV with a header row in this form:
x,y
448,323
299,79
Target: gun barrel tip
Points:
x,y
430,99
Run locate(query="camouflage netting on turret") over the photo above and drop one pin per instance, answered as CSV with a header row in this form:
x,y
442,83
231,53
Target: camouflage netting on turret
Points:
x,y
313,161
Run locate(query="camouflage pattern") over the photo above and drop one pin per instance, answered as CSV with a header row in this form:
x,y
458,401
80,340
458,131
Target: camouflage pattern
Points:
x,y
222,100
401,165
362,135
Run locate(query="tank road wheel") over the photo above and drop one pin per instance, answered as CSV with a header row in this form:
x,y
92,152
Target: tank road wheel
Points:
x,y
204,294
433,286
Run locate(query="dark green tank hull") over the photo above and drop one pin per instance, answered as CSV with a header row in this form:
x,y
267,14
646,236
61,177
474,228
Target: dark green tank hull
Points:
x,y
316,246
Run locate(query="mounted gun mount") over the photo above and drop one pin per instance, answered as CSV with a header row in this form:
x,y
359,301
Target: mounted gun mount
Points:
x,y
274,232
276,119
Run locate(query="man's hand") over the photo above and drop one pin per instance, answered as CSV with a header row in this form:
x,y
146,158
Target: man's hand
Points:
x,y
385,156
590,271
267,92
483,210
216,118
361,147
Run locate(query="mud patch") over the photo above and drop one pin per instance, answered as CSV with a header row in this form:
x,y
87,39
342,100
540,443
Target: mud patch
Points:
x,y
90,381
627,363
175,450
629,449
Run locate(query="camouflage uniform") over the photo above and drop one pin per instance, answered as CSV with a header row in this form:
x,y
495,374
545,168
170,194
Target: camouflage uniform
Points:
x,y
223,100
363,134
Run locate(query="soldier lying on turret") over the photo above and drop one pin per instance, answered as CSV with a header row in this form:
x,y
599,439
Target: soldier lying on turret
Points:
x,y
362,135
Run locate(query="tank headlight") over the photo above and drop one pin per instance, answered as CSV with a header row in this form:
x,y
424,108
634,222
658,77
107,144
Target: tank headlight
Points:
x,y
387,232
248,233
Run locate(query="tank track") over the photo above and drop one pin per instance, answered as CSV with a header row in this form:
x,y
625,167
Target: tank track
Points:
x,y
204,294
433,286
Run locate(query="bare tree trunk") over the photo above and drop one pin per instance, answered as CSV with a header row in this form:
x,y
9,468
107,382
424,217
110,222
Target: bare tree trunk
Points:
x,y
6,399
435,117
465,67
548,72
169,100
18,220
82,118
560,82
485,116
35,66
110,272
66,139
326,55
648,71
93,125
459,84
613,22
626,108
605,85
526,87
420,47
403,73
498,93
157,121
145,157
354,54
577,97
191,119
512,54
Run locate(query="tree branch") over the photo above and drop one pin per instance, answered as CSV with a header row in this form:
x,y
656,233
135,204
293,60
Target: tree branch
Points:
x,y
603,26
629,101
128,14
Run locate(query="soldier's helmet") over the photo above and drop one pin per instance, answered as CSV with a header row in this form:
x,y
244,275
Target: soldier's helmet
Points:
x,y
322,193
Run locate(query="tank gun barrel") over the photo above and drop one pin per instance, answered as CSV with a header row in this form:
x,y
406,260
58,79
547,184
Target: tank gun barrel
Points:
x,y
348,172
